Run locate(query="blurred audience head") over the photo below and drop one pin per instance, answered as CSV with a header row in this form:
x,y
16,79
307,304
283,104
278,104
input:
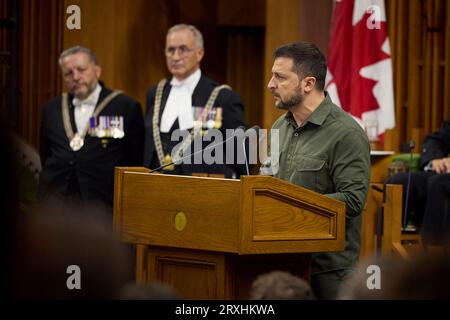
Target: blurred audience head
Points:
x,y
280,285
60,253
150,291
423,277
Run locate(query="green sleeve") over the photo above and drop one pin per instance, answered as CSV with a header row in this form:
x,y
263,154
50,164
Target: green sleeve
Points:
x,y
350,170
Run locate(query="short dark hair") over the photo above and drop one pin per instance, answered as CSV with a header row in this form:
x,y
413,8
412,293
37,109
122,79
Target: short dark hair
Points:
x,y
308,60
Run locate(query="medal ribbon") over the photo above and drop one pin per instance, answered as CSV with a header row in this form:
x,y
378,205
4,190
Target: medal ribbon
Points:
x,y
194,132
66,117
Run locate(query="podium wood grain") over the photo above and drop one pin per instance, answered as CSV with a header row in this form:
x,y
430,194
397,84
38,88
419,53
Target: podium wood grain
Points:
x,y
230,230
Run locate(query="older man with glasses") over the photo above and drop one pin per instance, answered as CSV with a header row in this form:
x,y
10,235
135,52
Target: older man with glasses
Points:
x,y
188,104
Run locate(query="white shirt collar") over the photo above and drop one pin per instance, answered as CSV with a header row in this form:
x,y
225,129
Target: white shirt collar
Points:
x,y
190,82
91,100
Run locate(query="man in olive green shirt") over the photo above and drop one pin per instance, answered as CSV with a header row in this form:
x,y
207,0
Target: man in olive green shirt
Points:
x,y
320,148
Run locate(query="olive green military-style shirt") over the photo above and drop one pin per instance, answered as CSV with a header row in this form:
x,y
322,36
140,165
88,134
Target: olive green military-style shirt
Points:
x,y
330,154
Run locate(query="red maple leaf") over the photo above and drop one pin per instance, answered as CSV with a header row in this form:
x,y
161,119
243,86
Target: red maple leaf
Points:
x,y
353,48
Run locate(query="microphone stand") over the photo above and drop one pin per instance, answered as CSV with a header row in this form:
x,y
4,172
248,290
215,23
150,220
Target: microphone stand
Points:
x,y
194,153
245,149
245,155
405,213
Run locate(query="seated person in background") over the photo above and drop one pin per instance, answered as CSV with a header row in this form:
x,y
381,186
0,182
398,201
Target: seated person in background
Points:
x,y
430,188
280,285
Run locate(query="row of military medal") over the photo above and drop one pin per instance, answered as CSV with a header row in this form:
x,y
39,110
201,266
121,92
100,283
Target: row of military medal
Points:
x,y
213,120
104,127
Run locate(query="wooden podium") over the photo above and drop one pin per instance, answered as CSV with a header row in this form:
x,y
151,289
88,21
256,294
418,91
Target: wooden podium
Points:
x,y
210,237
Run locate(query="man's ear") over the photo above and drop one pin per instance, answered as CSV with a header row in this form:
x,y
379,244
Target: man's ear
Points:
x,y
310,83
200,53
98,71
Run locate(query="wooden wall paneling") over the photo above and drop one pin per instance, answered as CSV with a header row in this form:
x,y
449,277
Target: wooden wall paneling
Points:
x,y
98,32
205,17
243,23
4,47
233,46
241,13
139,49
414,88
245,69
39,47
128,39
427,65
295,20
398,35
446,92
438,49
434,33
315,22
198,12
401,76
278,31
26,57
419,57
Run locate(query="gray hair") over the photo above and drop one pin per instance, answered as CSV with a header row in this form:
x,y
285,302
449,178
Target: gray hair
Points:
x,y
78,49
198,38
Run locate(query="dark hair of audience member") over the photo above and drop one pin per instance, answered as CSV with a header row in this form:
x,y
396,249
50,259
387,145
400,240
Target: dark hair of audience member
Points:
x,y
150,291
425,276
280,285
47,243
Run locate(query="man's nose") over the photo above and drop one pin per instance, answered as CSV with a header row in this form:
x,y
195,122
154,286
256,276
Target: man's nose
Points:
x,y
76,75
176,54
271,84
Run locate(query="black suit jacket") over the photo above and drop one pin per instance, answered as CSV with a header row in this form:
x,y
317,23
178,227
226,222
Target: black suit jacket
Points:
x,y
436,145
232,113
92,167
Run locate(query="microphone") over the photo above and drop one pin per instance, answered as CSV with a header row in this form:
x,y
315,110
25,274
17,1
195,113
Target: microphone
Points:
x,y
256,128
411,146
210,146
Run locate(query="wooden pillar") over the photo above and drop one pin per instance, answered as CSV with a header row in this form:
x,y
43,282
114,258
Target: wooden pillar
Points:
x,y
40,41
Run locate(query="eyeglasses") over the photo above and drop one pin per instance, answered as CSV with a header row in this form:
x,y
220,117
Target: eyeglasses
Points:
x,y
182,51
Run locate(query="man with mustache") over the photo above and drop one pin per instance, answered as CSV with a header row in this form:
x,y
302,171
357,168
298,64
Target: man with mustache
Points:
x,y
86,133
189,103
322,149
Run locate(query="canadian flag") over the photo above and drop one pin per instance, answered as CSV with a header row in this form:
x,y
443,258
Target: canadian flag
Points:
x,y
359,77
